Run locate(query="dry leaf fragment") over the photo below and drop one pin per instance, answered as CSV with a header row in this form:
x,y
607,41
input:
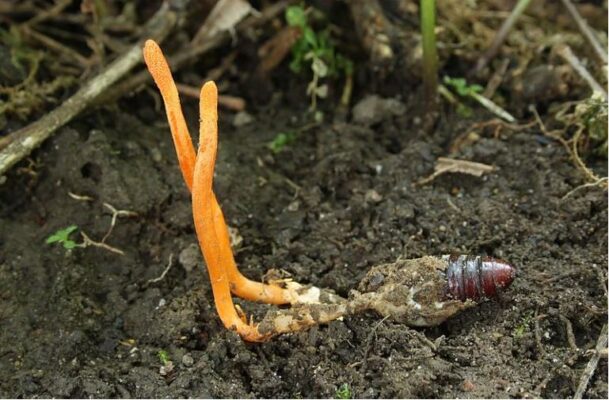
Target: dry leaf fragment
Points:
x,y
445,164
274,50
225,15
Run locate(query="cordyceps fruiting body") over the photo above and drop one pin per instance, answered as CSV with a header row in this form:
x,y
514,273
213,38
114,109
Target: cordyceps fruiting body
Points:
x,y
418,292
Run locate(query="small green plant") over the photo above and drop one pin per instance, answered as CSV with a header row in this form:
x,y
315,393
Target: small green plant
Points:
x,y
522,327
462,88
316,51
163,357
281,140
62,237
344,392
592,113
474,91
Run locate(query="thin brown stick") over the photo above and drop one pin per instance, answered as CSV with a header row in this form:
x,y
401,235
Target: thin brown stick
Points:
x,y
542,351
499,38
115,214
20,144
230,102
87,241
190,53
601,345
496,79
55,46
567,54
165,271
49,13
570,334
586,31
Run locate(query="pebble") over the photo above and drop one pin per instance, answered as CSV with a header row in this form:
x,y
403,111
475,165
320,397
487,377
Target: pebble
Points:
x,y
187,360
242,118
190,256
372,196
374,109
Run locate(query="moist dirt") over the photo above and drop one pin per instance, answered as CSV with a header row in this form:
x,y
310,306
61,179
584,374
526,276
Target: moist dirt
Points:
x,y
341,198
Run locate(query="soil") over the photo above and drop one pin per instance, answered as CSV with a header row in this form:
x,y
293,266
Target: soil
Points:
x,y
89,322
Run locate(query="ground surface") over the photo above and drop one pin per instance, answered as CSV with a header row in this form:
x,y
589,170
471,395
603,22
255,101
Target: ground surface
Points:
x,y
343,197
86,322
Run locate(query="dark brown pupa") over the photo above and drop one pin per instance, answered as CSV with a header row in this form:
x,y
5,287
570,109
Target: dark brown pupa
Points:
x,y
476,277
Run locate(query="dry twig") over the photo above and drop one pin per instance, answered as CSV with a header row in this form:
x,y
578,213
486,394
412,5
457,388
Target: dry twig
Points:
x,y
499,38
570,335
87,241
193,52
601,345
445,165
21,143
600,52
230,102
566,54
162,276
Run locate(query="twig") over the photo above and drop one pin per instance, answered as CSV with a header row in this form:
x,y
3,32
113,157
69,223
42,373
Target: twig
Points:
x,y
192,52
21,143
369,344
542,351
566,54
56,46
586,31
49,13
585,185
446,165
570,335
453,205
492,107
496,79
87,241
601,345
162,276
231,102
520,7
80,197
115,214
572,151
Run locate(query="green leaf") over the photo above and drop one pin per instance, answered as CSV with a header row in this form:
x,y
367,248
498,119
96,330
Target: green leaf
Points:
x,y
344,392
309,37
62,235
163,357
461,86
282,140
295,16
69,244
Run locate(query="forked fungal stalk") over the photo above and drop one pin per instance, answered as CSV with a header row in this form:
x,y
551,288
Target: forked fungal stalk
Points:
x,y
212,232
419,292
239,284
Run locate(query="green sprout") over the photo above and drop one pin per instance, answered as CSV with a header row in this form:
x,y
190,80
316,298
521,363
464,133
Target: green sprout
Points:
x,y
522,327
430,55
163,357
62,236
473,91
593,114
344,392
281,140
316,51
462,87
